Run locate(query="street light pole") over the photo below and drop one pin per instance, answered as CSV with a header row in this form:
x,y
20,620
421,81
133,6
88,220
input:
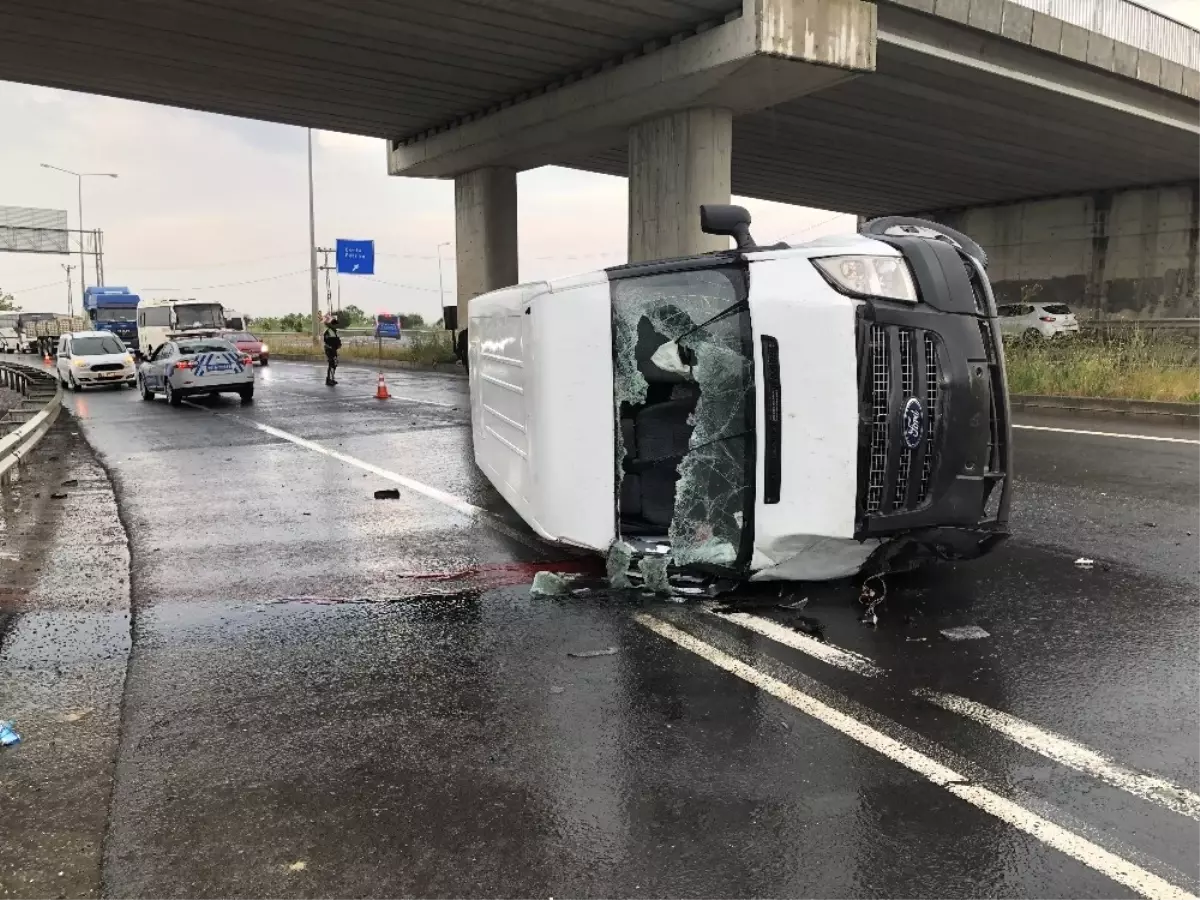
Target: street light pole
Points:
x,y
312,248
79,176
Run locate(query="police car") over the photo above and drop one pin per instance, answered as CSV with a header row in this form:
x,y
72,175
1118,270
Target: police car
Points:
x,y
185,367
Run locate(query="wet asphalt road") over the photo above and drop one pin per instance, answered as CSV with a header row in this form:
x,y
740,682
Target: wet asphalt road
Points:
x,y
273,743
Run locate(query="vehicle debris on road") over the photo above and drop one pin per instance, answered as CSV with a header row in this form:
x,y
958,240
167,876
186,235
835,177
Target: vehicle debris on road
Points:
x,y
592,654
871,598
549,584
1084,563
8,734
388,494
964,633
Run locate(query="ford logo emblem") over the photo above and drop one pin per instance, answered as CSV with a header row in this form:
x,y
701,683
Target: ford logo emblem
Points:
x,y
914,423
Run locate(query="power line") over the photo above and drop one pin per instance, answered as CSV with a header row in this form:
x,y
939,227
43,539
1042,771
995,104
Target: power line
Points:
x,y
406,287
213,287
215,265
29,290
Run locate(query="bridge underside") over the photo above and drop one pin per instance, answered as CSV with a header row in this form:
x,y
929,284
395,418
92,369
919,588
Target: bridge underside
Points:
x,y
923,132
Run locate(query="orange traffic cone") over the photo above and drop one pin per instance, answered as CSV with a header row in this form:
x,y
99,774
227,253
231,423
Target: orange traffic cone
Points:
x,y
381,391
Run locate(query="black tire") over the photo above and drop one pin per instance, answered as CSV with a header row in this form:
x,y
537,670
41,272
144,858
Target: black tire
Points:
x,y
75,385
173,398
247,394
1032,334
147,394
263,362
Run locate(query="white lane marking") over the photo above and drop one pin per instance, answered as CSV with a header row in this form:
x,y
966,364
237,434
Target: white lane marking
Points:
x,y
1111,434
828,653
1076,846
424,490
1076,756
455,503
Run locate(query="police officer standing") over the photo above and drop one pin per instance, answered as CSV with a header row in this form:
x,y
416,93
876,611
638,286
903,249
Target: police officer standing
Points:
x,y
333,344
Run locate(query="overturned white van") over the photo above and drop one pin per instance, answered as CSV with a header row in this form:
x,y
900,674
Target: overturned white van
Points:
x,y
766,413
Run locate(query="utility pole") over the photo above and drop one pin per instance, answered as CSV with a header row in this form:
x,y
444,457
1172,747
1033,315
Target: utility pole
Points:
x,y
312,246
327,268
70,296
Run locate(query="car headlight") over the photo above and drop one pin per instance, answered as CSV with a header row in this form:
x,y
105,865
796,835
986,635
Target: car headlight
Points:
x,y
869,276
263,348
128,359
79,362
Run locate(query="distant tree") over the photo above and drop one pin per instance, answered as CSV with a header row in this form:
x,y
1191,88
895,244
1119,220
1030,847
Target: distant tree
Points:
x,y
412,320
295,322
7,304
355,316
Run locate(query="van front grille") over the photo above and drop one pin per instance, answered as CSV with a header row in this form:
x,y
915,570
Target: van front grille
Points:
x,y
932,387
903,367
880,389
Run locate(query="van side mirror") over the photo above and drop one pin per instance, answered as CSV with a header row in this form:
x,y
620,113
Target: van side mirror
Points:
x,y
450,317
728,220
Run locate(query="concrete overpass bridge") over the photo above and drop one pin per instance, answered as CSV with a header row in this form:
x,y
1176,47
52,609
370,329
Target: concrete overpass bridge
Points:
x,y
1062,133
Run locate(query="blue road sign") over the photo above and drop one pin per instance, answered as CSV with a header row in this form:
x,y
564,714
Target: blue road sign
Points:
x,y
355,257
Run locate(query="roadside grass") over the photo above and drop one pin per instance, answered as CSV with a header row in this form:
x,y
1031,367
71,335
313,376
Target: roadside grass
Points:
x,y
420,347
1135,366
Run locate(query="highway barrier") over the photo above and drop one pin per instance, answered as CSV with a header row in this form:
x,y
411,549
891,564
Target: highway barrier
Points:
x,y
24,425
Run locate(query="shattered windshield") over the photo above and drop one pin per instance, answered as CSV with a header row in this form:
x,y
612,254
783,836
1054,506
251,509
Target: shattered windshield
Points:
x,y
684,394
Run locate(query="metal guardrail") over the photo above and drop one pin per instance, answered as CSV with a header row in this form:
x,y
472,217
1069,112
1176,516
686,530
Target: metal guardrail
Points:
x,y
28,425
1127,22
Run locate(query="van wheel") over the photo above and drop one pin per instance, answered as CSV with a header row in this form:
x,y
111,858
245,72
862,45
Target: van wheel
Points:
x,y
173,398
147,394
247,394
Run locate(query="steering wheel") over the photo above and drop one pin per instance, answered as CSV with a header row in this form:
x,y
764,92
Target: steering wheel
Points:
x,y
908,226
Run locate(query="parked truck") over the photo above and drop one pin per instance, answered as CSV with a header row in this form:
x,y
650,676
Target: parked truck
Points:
x,y
47,332
113,309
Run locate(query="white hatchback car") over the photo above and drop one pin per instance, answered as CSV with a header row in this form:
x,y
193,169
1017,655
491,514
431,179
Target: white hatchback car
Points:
x,y
1037,320
93,358
186,367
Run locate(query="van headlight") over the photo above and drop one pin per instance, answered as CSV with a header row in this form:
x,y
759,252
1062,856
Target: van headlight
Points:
x,y
869,276
263,349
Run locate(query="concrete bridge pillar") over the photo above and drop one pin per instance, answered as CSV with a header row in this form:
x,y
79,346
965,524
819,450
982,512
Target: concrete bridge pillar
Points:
x,y
677,162
485,226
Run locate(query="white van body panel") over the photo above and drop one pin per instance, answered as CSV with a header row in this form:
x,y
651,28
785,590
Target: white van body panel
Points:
x,y
573,397
541,387
818,372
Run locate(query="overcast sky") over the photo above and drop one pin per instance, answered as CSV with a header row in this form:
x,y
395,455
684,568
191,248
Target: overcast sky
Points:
x,y
216,207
